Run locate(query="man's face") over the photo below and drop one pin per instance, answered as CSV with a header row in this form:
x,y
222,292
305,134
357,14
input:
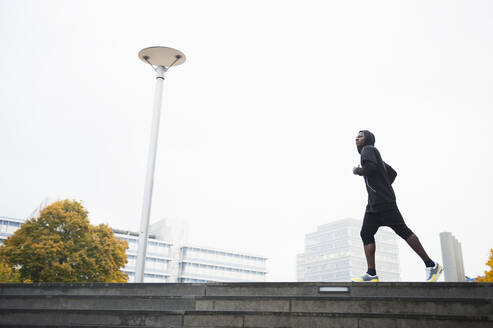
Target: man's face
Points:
x,y
360,140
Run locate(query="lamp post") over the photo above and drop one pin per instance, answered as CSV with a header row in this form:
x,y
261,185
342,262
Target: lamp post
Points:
x,y
160,59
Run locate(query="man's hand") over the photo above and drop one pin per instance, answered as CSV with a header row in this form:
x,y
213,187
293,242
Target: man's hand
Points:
x,y
356,168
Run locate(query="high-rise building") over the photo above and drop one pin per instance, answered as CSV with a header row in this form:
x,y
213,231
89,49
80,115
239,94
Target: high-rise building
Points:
x,y
171,259
453,263
335,253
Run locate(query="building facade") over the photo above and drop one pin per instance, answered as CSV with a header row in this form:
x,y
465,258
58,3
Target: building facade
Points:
x,y
453,263
168,262
177,261
8,226
335,253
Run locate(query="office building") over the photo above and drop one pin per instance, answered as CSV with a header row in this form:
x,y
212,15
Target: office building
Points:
x,y
8,226
174,260
335,253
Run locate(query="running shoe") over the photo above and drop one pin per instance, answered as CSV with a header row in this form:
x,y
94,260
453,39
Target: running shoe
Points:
x,y
433,273
366,278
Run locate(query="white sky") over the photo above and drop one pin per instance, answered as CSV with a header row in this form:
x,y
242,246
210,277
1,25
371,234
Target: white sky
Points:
x,y
257,133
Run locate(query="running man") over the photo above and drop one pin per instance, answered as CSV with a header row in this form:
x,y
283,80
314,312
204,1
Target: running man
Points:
x,y
382,208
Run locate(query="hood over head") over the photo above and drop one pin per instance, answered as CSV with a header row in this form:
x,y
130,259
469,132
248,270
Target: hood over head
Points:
x,y
369,139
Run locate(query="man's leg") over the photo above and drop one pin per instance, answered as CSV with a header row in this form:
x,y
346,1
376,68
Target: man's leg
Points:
x,y
394,220
368,230
415,244
433,269
370,256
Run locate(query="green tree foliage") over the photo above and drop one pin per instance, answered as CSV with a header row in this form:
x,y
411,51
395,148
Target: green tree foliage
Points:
x,y
61,245
488,275
7,274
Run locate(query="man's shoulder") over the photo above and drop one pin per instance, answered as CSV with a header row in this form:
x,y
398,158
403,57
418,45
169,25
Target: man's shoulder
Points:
x,y
369,149
370,153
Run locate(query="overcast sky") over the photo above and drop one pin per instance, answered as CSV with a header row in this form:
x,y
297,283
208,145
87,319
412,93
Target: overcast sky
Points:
x,y
257,134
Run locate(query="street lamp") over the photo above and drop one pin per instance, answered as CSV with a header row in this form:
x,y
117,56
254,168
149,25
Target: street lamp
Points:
x,y
160,59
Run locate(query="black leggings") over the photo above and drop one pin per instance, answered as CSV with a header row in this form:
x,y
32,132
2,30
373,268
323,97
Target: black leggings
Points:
x,y
391,218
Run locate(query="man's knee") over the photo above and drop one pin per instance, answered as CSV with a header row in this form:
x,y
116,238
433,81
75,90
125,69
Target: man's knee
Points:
x,y
367,237
405,233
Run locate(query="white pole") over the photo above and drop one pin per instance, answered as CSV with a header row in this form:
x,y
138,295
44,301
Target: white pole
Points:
x,y
151,163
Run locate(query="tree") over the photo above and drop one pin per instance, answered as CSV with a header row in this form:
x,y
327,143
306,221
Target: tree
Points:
x,y
7,274
488,275
61,245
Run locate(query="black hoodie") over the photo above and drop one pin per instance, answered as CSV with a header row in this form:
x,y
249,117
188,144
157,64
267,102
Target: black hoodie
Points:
x,y
378,176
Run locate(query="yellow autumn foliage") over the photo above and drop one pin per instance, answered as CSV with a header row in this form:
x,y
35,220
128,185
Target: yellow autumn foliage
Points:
x,y
488,275
62,246
7,274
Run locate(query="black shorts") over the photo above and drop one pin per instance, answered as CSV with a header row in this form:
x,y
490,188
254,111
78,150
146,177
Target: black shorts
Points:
x,y
391,218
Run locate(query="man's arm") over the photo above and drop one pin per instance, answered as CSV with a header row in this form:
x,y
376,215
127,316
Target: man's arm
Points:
x,y
391,173
369,160
368,168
